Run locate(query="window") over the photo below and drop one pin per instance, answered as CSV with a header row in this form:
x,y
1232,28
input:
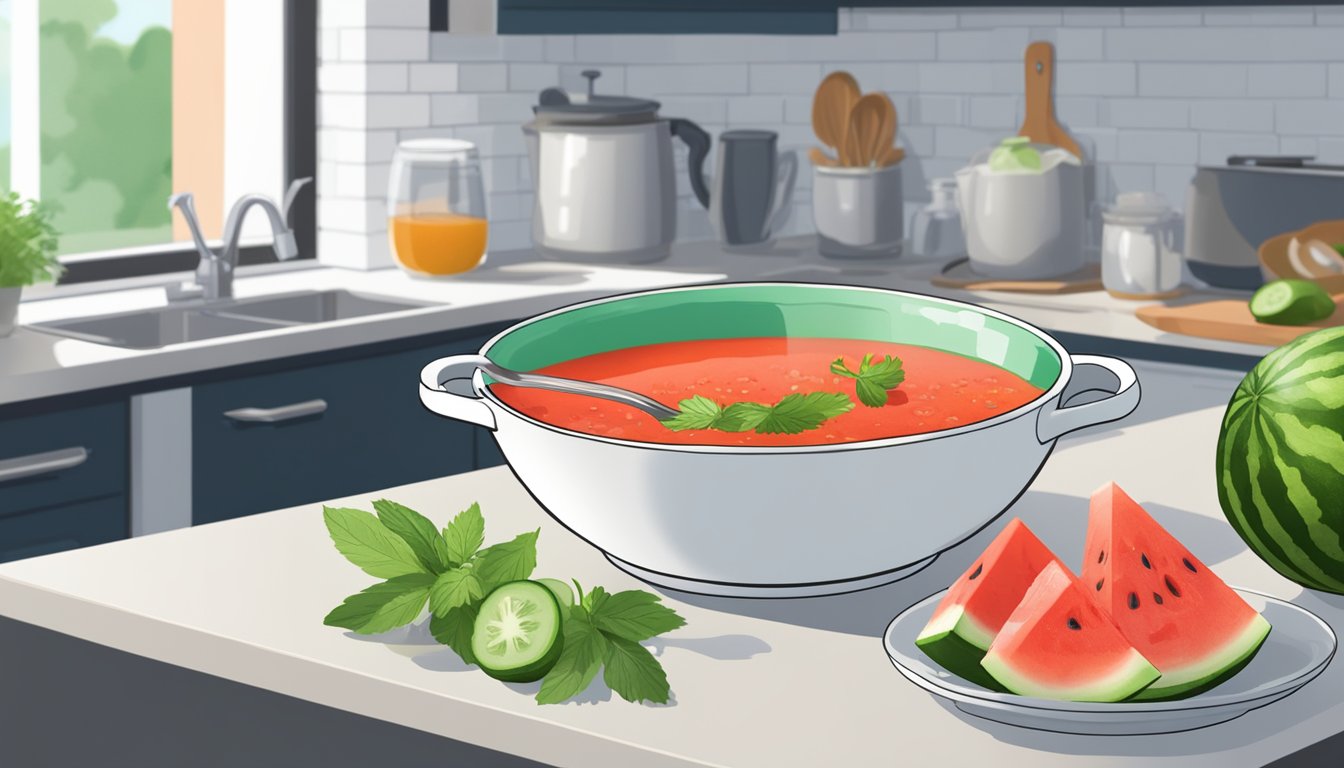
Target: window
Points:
x,y
107,107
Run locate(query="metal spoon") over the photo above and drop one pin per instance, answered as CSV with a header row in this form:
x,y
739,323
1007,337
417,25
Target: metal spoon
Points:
x,y
573,386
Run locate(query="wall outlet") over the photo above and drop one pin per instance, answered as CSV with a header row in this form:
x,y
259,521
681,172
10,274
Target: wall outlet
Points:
x,y
462,17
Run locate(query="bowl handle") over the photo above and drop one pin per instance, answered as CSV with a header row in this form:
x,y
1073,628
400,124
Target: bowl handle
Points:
x,y
472,410
1091,373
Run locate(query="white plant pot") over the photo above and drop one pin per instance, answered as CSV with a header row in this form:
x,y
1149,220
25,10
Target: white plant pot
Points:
x,y
9,309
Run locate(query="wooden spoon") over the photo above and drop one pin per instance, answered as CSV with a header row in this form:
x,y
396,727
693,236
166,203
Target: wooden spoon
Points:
x,y
867,125
819,157
890,156
830,108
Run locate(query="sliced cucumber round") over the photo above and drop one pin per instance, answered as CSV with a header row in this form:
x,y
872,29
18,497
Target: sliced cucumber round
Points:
x,y
562,591
516,636
1291,302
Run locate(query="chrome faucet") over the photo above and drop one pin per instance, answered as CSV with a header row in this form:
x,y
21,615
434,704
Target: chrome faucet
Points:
x,y
214,272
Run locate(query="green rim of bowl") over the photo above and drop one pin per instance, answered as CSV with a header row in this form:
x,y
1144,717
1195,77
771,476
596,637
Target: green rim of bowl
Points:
x,y
739,310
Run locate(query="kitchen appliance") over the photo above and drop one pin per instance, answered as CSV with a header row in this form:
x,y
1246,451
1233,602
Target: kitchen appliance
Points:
x,y
936,231
436,208
858,212
741,520
1024,223
1232,209
1139,259
602,173
753,187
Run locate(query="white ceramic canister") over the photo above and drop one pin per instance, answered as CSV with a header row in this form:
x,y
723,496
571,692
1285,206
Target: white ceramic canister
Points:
x,y
859,212
1139,259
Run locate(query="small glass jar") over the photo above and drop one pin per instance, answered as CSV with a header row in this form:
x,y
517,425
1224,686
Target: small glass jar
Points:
x,y
936,232
436,207
1139,259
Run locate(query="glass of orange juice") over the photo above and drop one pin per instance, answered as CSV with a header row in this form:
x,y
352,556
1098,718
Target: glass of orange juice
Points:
x,y
436,207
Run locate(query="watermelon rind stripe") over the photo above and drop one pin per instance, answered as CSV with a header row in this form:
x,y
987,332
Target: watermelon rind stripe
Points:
x,y
1234,495
1282,361
1212,669
1308,524
1285,543
1319,444
958,643
1313,395
1131,675
1329,365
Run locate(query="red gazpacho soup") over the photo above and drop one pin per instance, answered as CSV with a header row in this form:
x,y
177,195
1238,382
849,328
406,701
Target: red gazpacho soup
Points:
x,y
940,390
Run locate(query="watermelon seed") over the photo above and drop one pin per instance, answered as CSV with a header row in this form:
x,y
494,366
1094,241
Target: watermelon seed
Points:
x,y
1144,559
1101,557
1099,583
1188,564
978,568
1133,601
1073,623
1157,598
1171,587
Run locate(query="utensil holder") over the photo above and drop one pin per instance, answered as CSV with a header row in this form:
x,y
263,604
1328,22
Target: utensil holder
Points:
x,y
858,212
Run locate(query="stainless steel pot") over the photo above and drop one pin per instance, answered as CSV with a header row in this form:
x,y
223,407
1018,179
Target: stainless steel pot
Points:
x,y
603,176
765,521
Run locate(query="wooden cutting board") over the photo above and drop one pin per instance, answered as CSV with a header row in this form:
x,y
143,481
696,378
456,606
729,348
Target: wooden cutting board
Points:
x,y
958,274
1039,123
1229,320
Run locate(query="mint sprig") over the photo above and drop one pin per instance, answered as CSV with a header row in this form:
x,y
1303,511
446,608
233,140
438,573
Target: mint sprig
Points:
x,y
793,414
603,632
873,380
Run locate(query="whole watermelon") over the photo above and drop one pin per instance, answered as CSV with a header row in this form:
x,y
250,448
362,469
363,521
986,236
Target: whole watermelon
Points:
x,y
1281,460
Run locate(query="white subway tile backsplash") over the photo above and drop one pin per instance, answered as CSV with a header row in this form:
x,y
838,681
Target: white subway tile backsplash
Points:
x,y
1215,148
396,13
1079,45
1162,17
1081,111
1093,17
1335,79
1231,44
493,140
1192,80
437,77
1287,80
998,112
782,78
1309,117
885,76
397,111
558,49
1021,17
1146,113
938,110
1226,115
352,215
532,78
1096,79
701,109
390,45
900,19
763,111
655,80
455,109
1145,146
515,108
798,109
482,78
957,77
983,44
459,48
1305,146
1288,16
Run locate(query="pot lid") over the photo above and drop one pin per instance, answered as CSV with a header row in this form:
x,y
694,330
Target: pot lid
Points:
x,y
557,104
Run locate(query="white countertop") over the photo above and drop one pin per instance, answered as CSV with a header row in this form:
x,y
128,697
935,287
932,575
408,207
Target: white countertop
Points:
x,y
755,683
34,364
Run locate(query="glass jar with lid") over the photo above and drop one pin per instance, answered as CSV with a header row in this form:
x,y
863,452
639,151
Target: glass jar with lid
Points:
x,y
436,207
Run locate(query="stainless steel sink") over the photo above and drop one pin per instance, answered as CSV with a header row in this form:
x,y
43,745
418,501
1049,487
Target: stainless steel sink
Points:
x,y
198,320
319,307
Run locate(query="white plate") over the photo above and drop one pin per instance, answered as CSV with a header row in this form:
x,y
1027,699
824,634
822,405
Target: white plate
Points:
x,y
1298,647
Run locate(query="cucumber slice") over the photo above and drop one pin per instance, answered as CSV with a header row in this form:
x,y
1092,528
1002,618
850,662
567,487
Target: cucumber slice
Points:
x,y
1291,302
563,594
516,635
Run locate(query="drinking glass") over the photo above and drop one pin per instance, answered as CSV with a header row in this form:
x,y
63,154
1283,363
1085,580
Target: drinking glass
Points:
x,y
436,207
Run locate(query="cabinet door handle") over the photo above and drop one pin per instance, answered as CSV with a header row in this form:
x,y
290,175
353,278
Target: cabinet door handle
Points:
x,y
42,463
273,415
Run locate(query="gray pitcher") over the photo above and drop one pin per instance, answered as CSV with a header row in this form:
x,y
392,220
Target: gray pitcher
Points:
x,y
753,186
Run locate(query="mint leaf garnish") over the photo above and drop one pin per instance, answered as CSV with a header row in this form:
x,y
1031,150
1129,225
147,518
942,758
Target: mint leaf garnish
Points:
x,y
873,381
453,589
797,413
635,615
580,659
383,606
696,413
369,544
632,672
417,531
453,629
464,535
508,561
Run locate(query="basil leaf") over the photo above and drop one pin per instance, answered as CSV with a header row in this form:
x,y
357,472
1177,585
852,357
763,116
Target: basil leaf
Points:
x,y
417,531
388,605
580,659
368,543
464,535
797,412
453,589
633,673
635,615
742,417
508,561
697,412
453,629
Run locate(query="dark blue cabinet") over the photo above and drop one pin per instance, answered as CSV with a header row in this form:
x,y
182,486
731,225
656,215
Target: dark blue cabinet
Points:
x,y
64,477
370,433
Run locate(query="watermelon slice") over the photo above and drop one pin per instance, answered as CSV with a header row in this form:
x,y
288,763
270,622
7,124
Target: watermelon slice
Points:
x,y
976,605
1194,628
1059,644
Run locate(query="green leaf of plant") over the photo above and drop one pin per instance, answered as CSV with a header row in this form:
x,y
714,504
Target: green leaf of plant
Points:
x,y
388,605
453,629
594,599
697,412
888,373
635,615
580,659
839,368
368,543
874,380
742,417
507,561
798,412
464,535
633,673
417,531
454,588
870,394
27,242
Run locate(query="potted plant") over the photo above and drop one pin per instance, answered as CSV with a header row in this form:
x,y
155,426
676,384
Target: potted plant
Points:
x,y
27,253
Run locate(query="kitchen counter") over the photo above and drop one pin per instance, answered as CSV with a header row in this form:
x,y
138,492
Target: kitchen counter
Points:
x,y
515,285
755,682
